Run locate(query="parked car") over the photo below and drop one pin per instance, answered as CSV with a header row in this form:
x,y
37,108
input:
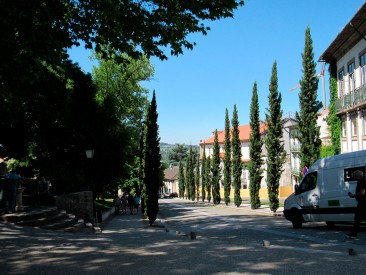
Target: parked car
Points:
x,y
164,195
173,195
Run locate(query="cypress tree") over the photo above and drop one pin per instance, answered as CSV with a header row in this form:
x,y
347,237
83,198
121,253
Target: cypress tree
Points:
x,y
188,178
309,132
152,159
191,174
141,168
197,178
236,163
203,173
227,160
255,151
208,182
216,170
274,144
181,180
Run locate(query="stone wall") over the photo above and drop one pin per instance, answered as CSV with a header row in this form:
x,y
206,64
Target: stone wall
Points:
x,y
80,204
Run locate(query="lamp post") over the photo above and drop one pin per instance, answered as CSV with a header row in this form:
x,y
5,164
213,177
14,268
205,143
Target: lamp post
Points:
x,y
90,155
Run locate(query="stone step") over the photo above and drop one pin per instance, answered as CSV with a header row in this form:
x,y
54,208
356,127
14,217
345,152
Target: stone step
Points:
x,y
48,219
61,224
32,214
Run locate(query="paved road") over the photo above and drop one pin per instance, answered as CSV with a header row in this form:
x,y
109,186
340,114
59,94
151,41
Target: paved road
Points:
x,y
229,241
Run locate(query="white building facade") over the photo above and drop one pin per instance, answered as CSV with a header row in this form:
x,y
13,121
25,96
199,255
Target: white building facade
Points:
x,y
348,54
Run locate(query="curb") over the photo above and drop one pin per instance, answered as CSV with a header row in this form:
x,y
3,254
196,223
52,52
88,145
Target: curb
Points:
x,y
245,207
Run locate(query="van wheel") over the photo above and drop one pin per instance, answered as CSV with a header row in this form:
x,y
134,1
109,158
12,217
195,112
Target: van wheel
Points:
x,y
330,224
296,219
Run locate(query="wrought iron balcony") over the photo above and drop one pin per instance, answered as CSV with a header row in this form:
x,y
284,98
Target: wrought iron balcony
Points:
x,y
352,99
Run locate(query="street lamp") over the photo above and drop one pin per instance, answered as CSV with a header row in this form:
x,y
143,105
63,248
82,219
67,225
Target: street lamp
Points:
x,y
89,153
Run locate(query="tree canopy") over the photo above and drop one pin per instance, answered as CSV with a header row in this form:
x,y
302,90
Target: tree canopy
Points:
x,y
132,27
178,153
51,110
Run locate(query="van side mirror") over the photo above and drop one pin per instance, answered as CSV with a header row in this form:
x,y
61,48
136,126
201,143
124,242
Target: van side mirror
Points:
x,y
296,188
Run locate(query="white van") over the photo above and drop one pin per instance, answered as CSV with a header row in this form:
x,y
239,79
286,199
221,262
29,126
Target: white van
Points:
x,y
323,193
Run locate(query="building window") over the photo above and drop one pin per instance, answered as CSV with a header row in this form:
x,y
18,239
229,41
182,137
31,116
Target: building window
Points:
x,y
344,129
354,126
363,67
351,76
341,83
364,125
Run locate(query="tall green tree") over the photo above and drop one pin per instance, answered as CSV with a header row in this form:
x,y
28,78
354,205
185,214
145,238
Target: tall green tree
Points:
x,y
121,82
216,173
255,151
119,92
181,180
208,179
177,153
236,162
309,132
190,174
197,177
152,163
188,178
203,173
227,160
274,144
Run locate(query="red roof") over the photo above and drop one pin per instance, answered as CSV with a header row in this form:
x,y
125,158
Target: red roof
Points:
x,y
244,134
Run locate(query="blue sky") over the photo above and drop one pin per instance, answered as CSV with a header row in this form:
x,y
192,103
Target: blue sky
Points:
x,y
194,89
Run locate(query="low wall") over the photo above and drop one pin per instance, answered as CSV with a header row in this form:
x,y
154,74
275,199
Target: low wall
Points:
x,y
284,192
80,204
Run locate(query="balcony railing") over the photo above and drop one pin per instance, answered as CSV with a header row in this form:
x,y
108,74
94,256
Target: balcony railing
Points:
x,y
357,97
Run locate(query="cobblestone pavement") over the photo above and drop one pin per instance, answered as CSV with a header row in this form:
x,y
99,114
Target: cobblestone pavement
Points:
x,y
128,245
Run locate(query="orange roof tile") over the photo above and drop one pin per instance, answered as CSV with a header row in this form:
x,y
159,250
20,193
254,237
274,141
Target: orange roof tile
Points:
x,y
244,134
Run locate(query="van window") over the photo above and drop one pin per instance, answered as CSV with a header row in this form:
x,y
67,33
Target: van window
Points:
x,y
308,183
349,173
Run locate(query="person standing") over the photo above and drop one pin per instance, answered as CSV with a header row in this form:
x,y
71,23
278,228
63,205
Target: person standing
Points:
x,y
130,203
117,203
12,180
304,170
136,202
124,203
360,197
